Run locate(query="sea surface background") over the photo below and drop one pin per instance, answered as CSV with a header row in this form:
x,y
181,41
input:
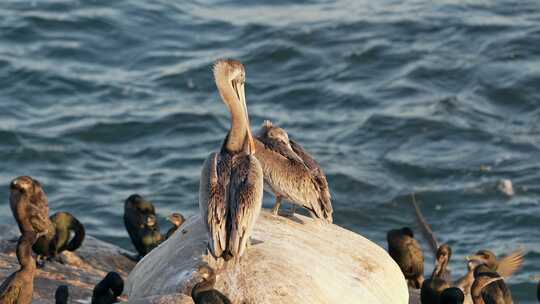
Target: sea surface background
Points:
x,y
101,99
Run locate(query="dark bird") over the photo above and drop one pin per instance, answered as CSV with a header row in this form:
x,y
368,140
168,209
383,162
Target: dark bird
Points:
x,y
19,286
177,220
231,185
439,281
30,207
141,224
407,253
505,266
204,292
452,295
489,287
432,289
65,226
108,290
538,292
442,259
62,295
291,173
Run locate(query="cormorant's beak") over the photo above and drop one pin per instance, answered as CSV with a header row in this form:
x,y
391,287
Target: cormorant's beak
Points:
x,y
150,220
240,92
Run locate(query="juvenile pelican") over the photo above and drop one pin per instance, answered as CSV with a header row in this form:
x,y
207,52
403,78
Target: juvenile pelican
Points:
x,y
231,186
291,173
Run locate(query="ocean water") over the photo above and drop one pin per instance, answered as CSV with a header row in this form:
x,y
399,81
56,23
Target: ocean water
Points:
x,y
102,99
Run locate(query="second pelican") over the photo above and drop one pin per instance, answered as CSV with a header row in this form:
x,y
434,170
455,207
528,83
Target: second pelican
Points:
x,y
231,187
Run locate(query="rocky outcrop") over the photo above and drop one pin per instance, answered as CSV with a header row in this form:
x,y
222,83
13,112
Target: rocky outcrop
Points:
x,y
291,260
80,270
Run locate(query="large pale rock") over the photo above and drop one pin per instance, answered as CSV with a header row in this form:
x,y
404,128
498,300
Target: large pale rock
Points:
x,y
80,270
290,261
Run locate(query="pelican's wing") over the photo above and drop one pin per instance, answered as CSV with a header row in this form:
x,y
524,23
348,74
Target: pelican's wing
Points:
x,y
212,203
319,179
245,197
510,263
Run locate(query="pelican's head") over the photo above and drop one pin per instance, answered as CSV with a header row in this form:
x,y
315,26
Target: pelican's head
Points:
x,y
230,77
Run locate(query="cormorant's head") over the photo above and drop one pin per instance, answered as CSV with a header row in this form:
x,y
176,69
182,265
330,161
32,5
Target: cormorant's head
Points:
x,y
115,283
407,231
444,253
484,257
206,272
23,184
62,294
176,219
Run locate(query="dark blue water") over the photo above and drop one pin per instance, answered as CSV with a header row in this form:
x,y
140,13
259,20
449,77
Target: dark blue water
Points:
x,y
101,99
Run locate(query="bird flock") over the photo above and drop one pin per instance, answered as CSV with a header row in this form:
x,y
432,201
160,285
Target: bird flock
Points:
x,y
230,199
484,282
231,188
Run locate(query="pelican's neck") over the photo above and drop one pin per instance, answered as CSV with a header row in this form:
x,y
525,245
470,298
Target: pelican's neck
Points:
x,y
236,138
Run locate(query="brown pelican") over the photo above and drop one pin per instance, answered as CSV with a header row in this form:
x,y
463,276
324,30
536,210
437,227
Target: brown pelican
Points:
x,y
406,251
291,173
19,286
231,186
489,287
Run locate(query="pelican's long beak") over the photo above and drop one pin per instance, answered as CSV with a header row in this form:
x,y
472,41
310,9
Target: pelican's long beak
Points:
x,y
242,96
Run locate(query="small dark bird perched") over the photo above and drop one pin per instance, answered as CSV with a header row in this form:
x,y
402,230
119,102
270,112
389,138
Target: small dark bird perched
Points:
x,y
407,253
291,173
62,295
141,224
538,292
443,255
489,287
177,220
432,289
30,207
452,295
439,281
204,292
19,286
108,290
505,266
65,224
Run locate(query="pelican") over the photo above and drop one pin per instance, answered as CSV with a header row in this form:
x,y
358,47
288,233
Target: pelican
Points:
x,y
231,186
291,173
